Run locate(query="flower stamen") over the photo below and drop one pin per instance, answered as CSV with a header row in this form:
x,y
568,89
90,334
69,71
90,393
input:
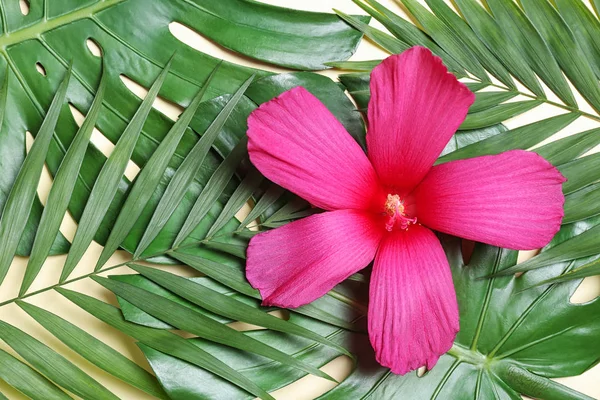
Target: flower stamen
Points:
x,y
394,208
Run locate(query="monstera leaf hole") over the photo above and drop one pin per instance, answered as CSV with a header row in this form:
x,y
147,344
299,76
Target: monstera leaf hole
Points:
x,y
588,290
25,6
195,40
94,47
40,68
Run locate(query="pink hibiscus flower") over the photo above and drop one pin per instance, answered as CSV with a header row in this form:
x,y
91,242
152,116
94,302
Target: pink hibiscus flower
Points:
x,y
384,206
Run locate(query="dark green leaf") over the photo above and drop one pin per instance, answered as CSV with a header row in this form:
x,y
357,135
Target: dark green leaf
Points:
x,y
446,38
23,192
271,195
249,184
61,191
462,30
184,176
225,305
108,180
149,177
408,33
582,204
581,172
213,189
485,100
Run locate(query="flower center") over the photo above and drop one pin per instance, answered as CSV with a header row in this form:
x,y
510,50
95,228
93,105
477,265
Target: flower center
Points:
x,y
396,216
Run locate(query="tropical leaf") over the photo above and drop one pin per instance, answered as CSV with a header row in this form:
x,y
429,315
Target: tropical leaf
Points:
x,y
194,177
92,187
506,346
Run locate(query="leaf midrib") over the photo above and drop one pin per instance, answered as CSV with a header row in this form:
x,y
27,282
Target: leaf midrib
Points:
x,y
45,25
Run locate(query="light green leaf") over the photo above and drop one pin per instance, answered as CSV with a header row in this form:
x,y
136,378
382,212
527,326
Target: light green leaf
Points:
x,y
198,324
227,306
28,381
500,113
565,48
164,341
53,365
95,351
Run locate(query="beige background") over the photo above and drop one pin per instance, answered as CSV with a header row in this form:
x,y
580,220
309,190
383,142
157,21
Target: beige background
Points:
x,y
306,388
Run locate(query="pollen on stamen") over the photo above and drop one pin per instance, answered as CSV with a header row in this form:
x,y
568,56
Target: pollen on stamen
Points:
x,y
394,208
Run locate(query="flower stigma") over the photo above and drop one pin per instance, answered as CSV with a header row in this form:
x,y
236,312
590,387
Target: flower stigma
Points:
x,y
396,216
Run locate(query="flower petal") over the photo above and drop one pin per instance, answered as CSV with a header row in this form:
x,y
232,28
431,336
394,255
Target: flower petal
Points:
x,y
512,200
297,143
301,261
415,108
413,314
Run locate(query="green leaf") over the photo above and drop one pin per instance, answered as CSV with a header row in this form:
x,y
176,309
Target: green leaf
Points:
x,y
198,324
498,114
164,341
581,172
271,195
326,90
582,204
249,184
109,178
563,45
61,191
355,65
149,177
585,28
492,35
95,351
408,33
446,38
584,244
52,365
381,38
462,30
568,148
22,194
184,176
516,26
485,100
213,189
28,381
226,306
228,276
522,137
